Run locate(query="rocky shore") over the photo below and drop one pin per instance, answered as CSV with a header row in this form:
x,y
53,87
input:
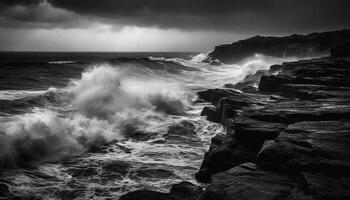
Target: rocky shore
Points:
x,y
311,45
289,138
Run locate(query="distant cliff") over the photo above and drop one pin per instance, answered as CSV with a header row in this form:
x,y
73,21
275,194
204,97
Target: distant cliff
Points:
x,y
311,45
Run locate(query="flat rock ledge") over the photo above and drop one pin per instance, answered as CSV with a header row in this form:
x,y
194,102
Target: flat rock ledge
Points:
x,y
288,140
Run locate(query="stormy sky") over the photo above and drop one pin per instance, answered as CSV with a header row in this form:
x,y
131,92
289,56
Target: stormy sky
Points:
x,y
158,25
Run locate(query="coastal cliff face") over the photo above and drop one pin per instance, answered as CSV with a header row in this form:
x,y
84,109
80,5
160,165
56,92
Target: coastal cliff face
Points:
x,y
311,45
289,139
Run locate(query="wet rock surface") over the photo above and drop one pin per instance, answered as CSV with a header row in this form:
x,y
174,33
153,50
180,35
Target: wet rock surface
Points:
x,y
290,140
321,146
302,134
246,181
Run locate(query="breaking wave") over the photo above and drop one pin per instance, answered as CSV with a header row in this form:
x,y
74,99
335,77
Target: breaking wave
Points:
x,y
105,105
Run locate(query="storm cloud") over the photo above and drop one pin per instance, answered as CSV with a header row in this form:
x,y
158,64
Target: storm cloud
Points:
x,y
232,15
224,17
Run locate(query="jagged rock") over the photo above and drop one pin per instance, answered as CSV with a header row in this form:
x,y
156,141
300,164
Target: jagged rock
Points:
x,y
246,181
273,84
181,191
249,89
249,83
214,95
321,146
225,153
274,69
325,76
311,45
229,103
298,135
211,114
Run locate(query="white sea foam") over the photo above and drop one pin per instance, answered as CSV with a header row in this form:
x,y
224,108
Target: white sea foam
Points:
x,y
200,57
108,106
111,103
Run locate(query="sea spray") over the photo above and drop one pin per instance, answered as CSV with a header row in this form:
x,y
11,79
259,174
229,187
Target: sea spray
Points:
x,y
106,105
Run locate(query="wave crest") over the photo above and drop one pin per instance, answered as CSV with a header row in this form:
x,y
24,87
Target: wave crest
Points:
x,y
105,90
108,104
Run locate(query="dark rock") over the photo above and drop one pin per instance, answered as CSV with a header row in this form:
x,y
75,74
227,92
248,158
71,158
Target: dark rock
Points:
x,y
321,146
318,186
229,103
309,91
291,111
273,84
324,75
211,114
229,85
4,191
214,95
275,69
243,84
225,153
249,89
246,181
185,191
256,132
342,50
322,94
314,44
181,191
249,83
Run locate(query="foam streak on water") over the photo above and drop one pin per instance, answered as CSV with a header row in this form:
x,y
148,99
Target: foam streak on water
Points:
x,y
122,125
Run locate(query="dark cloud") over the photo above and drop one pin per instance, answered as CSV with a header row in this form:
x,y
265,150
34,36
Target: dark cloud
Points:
x,y
20,2
218,14
269,16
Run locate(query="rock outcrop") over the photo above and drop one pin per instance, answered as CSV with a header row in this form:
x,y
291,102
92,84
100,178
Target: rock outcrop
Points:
x,y
301,133
290,140
311,45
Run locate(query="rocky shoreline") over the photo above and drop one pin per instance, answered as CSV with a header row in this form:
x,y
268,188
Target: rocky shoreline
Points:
x,y
301,46
287,139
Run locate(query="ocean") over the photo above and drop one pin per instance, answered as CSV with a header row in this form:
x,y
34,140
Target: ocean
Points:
x,y
90,125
